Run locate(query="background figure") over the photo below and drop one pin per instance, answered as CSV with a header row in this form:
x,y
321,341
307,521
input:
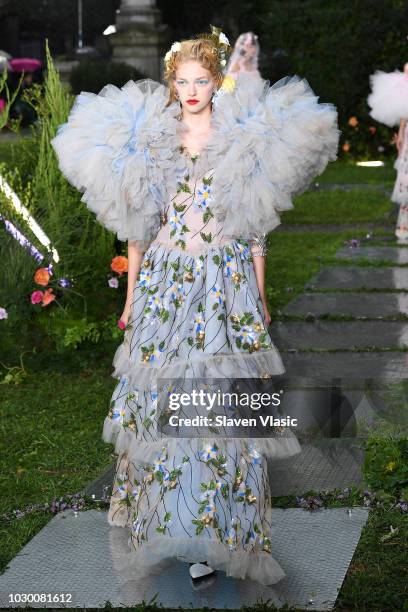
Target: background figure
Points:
x,y
389,104
244,58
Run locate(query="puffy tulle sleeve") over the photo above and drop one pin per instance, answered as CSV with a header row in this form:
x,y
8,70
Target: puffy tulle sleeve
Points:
x,y
117,147
388,99
270,143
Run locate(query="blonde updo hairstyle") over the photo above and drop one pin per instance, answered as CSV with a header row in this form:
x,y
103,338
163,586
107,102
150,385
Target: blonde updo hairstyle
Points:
x,y
201,50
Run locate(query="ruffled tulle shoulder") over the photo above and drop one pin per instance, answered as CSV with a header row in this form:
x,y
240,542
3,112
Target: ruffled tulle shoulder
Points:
x,y
116,147
388,99
270,143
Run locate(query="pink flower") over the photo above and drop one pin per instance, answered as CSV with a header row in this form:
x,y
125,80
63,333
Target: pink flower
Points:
x,y
121,324
113,282
3,313
36,297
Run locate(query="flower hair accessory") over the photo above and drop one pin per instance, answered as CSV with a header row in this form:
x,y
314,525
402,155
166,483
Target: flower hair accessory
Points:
x,y
219,39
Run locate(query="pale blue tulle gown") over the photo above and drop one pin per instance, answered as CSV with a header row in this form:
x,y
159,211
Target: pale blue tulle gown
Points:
x,y
196,309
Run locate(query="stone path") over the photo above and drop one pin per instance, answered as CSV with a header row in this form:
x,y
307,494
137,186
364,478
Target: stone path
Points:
x,y
357,349
356,304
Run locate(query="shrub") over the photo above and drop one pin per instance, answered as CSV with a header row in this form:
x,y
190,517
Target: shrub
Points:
x,y
93,75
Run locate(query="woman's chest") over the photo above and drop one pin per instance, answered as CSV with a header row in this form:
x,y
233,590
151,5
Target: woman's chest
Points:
x,y
188,222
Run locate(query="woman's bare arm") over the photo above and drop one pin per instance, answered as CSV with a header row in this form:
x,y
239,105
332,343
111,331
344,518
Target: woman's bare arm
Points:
x,y
258,250
135,257
400,137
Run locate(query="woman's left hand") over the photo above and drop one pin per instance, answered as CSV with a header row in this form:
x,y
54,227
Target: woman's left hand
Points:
x,y
266,315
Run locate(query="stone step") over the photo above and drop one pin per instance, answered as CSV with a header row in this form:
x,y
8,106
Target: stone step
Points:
x,y
383,367
352,304
360,278
346,335
397,255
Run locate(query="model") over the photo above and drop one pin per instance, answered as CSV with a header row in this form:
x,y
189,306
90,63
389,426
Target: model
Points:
x,y
193,175
389,103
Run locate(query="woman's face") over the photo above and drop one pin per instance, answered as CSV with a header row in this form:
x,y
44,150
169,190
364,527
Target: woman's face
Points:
x,y
194,86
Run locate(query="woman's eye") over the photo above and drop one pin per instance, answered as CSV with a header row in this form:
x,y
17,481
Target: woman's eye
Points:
x,y
180,82
202,82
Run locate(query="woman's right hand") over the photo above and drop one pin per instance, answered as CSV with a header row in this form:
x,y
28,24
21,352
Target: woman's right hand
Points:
x,y
126,313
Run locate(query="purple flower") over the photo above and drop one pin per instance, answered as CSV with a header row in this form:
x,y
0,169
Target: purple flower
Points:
x,y
3,313
64,282
113,282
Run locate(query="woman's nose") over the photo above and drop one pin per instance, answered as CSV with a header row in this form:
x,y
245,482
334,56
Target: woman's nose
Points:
x,y
192,89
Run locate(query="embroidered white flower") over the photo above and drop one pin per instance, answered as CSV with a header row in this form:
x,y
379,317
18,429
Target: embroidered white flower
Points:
x,y
223,39
176,46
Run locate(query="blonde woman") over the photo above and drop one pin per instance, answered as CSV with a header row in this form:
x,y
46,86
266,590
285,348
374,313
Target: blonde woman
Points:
x,y
193,174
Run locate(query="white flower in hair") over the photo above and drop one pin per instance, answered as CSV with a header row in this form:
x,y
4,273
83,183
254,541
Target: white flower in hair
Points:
x,y
176,46
223,39
167,56
223,62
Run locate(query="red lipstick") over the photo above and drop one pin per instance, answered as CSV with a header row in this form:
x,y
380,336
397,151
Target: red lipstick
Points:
x,y
192,101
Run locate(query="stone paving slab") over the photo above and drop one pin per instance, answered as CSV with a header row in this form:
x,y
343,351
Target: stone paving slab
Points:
x,y
345,335
383,367
370,228
360,277
83,555
352,304
398,255
322,466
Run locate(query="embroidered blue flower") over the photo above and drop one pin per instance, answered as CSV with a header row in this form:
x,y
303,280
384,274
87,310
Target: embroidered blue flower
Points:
x,y
256,457
145,278
218,294
176,222
247,334
229,264
198,322
198,267
118,414
209,452
203,197
177,292
243,250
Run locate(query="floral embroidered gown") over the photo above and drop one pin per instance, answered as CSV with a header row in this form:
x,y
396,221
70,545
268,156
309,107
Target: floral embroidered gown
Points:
x,y
196,310
400,191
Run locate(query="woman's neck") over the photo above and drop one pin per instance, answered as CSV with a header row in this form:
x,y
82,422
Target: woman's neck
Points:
x,y
197,122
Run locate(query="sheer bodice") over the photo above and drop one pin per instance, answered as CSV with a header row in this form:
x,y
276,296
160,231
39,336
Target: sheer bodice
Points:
x,y
188,222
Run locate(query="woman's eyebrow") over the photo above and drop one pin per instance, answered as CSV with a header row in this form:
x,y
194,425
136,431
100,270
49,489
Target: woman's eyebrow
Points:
x,y
196,79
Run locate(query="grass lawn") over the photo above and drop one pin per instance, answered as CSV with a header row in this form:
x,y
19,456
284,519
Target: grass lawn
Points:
x,y
344,171
293,259
331,207
52,426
